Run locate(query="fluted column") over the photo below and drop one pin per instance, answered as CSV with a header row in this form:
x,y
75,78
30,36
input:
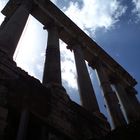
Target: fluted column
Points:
x,y
52,67
130,103
13,28
112,103
87,95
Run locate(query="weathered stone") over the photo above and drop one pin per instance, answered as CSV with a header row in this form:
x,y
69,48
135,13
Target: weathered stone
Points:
x,y
53,106
48,104
86,90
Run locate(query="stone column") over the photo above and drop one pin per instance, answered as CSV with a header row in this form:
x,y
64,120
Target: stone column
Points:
x,y
52,67
129,102
87,95
131,93
127,97
111,100
23,124
12,30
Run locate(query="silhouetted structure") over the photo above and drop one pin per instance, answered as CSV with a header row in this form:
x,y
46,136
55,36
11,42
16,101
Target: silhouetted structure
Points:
x,y
43,111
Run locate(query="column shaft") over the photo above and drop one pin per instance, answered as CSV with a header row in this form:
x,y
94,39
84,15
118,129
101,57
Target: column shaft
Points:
x,y
23,124
52,68
12,30
130,103
87,95
112,103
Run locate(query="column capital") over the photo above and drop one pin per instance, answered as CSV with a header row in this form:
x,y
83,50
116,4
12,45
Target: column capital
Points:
x,y
16,24
131,90
12,6
51,24
52,66
73,45
114,79
96,63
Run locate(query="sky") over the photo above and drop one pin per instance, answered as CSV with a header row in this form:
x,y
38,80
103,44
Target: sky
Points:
x,y
113,24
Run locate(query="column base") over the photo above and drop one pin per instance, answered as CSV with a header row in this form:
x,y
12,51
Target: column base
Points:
x,y
59,90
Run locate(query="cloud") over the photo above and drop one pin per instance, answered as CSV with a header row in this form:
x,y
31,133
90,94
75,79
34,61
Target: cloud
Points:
x,y
2,4
92,15
54,1
136,9
68,66
30,54
95,13
72,92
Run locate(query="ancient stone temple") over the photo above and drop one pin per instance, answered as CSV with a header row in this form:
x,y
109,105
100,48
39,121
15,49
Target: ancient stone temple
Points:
x,y
32,110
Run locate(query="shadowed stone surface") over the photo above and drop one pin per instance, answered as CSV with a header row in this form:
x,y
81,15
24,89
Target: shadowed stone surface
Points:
x,y
49,104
